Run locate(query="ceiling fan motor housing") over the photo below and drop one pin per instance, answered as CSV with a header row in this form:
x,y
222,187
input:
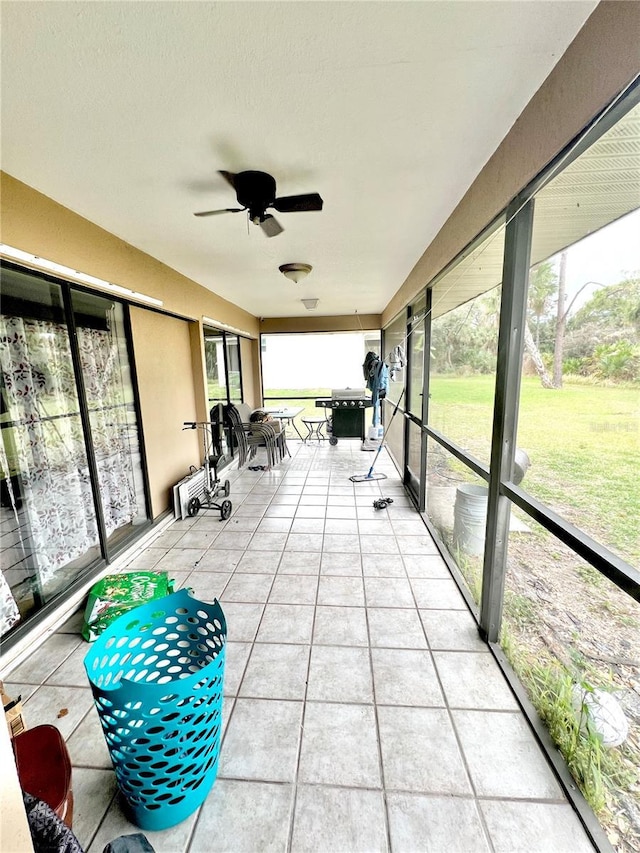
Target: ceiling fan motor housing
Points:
x,y
255,191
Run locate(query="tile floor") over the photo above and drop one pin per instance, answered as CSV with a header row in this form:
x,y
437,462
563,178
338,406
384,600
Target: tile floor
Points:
x,y
362,712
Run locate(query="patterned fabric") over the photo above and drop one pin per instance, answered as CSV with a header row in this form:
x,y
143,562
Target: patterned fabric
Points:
x,y
49,833
113,426
9,613
47,443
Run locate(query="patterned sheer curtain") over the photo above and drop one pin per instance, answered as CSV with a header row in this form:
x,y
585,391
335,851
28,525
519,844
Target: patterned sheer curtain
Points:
x,y
114,436
46,443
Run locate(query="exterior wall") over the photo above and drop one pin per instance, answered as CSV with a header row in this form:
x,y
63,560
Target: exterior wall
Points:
x,y
600,62
37,224
169,352
163,355
345,323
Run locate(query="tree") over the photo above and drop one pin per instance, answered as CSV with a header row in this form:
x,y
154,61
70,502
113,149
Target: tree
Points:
x,y
603,337
612,308
561,322
536,358
543,283
562,316
465,339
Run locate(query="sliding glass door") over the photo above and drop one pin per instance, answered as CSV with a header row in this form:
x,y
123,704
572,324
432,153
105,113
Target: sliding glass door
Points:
x,y
70,463
224,385
108,388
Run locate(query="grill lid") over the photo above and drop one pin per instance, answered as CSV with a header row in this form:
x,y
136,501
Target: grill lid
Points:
x,y
348,394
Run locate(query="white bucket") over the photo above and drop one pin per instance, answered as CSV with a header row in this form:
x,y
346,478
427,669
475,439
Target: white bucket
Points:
x,y
372,433
470,518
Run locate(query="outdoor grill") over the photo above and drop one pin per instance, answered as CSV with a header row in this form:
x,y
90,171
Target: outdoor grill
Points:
x,y
347,412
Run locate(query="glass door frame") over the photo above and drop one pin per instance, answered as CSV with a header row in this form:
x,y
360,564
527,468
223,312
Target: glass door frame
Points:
x,y
207,329
108,553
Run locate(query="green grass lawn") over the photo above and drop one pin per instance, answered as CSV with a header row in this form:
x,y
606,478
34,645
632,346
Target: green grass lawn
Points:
x,y
583,442
280,397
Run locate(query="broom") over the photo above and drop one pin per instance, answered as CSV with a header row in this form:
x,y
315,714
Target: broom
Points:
x,y
362,478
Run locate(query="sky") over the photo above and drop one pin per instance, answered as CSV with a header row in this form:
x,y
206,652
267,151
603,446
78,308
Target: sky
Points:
x,y
607,256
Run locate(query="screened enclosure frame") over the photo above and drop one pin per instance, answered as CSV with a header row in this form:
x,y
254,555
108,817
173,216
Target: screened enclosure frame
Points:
x,y
499,477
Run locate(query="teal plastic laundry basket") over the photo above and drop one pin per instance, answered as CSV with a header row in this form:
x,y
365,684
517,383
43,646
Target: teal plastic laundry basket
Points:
x,y
157,679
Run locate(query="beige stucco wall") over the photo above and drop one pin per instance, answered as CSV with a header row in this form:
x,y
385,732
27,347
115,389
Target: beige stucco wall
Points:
x,y
163,356
34,223
169,351
344,323
600,62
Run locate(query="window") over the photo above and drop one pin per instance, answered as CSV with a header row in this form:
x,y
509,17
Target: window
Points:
x,y
566,628
232,352
457,508
464,346
578,418
297,369
415,351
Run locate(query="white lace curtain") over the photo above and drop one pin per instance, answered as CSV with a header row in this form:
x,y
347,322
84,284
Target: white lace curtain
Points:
x,y
45,447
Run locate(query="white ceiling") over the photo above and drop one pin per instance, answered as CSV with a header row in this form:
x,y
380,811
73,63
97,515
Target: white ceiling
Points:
x,y
124,112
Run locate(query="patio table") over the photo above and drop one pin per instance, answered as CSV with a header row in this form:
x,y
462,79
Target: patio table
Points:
x,y
286,415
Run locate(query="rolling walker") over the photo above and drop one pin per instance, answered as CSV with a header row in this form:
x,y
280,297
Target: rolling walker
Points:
x,y
212,489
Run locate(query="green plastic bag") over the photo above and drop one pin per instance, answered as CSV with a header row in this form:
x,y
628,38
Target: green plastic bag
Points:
x,y
116,594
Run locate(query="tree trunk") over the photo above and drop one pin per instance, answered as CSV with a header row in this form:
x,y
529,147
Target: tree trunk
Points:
x,y
536,358
561,323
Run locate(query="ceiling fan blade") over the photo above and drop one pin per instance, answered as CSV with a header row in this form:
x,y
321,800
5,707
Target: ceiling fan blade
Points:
x,y
295,203
229,177
217,212
271,226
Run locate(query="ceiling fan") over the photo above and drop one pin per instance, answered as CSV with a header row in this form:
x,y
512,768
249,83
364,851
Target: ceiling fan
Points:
x,y
256,192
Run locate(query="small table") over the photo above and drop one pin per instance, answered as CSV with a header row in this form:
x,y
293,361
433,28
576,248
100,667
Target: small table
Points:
x,y
286,415
314,428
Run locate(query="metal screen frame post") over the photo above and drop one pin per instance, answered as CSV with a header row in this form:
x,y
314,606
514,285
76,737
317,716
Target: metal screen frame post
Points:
x,y
513,308
426,382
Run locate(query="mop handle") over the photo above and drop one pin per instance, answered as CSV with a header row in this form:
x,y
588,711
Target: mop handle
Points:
x,y
375,458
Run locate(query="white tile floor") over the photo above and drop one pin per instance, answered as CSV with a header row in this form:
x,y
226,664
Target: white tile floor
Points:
x,y
362,711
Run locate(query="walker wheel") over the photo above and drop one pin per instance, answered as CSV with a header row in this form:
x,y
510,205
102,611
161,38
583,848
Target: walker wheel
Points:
x,y
333,440
227,488
193,507
225,510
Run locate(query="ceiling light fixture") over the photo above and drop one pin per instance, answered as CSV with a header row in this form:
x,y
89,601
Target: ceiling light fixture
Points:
x,y
310,304
295,272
